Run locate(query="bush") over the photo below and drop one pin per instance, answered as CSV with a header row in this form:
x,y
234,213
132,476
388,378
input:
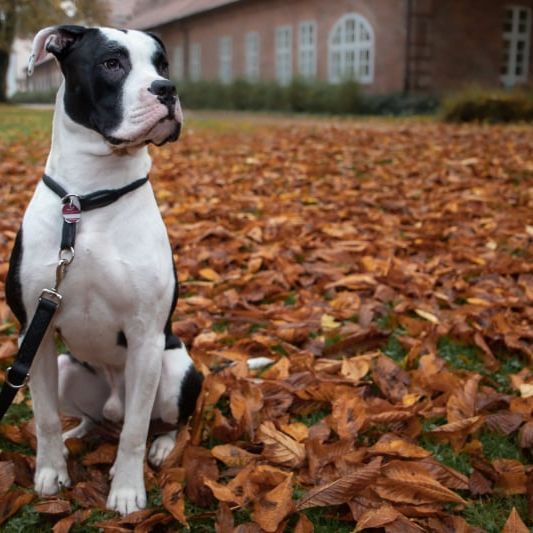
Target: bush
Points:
x,y
481,105
37,97
300,96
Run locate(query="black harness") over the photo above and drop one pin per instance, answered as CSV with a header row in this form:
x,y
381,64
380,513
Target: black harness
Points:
x,y
50,299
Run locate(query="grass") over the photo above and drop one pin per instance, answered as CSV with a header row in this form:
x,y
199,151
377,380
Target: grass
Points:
x,y
490,514
17,122
444,454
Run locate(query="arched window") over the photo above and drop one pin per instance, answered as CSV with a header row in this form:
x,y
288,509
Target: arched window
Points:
x,y
351,50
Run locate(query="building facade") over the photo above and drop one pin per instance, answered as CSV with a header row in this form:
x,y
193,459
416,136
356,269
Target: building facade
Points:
x,y
387,45
428,46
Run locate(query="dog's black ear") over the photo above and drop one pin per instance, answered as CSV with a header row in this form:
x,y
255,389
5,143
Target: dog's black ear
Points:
x,y
156,38
57,40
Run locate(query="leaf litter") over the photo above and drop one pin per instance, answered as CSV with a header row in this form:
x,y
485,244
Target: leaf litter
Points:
x,y
379,281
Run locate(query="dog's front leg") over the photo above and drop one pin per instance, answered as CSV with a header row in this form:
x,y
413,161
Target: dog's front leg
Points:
x,y
51,467
142,374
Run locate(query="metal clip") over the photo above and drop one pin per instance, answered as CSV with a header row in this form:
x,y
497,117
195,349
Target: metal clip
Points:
x,y
51,294
12,385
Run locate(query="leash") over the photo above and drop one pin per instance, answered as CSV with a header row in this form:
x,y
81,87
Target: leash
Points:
x,y
50,299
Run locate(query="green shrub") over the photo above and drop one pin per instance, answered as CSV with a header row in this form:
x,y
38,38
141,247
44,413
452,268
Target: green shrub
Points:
x,y
37,97
481,105
299,96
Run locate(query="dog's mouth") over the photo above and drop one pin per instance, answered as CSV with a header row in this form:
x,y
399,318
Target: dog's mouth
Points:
x,y
165,130
161,131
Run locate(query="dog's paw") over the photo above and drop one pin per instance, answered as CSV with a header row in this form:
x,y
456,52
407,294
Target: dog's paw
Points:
x,y
126,499
49,480
160,449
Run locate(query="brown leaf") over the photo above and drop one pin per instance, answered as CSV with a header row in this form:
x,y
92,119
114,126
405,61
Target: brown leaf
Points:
x,y
91,494
504,422
274,506
232,455
409,482
525,436
225,522
511,476
173,501
54,506
348,416
456,432
479,485
514,524
304,525
7,476
390,378
105,454
342,489
390,444
156,520
11,502
462,403
279,447
64,525
199,466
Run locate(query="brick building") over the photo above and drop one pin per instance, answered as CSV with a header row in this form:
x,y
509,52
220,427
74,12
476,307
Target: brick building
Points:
x,y
388,45
430,46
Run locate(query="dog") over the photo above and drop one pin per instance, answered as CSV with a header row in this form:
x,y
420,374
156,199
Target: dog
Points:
x,y
121,289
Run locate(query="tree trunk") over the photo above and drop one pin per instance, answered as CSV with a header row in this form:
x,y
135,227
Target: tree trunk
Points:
x,y
8,24
4,65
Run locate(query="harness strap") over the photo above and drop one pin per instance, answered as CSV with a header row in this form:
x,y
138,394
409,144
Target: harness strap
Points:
x,y
95,199
17,374
50,299
86,202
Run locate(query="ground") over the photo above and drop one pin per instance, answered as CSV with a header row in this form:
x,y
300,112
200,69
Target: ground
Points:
x,y
382,269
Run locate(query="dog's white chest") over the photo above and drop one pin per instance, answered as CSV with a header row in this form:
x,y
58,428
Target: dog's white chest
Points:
x,y
121,273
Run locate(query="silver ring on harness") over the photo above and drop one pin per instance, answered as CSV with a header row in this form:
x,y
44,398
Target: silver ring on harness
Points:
x,y
12,385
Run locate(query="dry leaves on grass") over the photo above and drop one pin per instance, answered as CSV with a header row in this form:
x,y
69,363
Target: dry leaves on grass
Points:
x,y
381,280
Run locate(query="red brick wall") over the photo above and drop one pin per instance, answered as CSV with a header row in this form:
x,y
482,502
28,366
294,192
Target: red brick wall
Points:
x,y
388,18
466,43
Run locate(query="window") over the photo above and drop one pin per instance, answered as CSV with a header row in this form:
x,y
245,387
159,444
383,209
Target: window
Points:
x,y
252,56
283,43
307,50
351,50
225,59
516,45
195,62
178,64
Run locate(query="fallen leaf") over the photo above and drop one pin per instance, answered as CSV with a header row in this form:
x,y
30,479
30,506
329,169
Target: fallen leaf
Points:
x,y
514,524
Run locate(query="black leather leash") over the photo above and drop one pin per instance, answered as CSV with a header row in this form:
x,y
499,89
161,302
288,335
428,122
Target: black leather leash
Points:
x,y
50,299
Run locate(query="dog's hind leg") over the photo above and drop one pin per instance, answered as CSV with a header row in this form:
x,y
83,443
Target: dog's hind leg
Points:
x,y
51,467
178,390
82,394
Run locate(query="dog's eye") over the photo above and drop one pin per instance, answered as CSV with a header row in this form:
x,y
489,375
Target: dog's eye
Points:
x,y
112,64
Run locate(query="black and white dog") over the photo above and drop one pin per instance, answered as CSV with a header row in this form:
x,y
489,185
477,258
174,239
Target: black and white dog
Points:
x,y
121,289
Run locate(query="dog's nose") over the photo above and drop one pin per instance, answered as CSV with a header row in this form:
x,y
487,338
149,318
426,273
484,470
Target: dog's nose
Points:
x,y
165,91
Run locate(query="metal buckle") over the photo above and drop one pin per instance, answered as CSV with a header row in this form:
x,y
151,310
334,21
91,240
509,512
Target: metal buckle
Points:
x,y
12,385
51,294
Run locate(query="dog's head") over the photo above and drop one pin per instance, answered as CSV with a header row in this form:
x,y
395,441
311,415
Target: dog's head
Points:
x,y
116,82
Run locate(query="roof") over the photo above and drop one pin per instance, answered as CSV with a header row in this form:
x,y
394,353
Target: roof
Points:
x,y
174,10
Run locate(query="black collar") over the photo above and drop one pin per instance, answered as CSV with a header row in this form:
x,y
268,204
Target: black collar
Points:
x,y
98,198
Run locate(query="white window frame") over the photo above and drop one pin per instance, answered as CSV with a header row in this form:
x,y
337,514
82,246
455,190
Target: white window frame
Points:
x,y
178,64
195,62
514,57
345,54
225,59
283,54
252,56
307,60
